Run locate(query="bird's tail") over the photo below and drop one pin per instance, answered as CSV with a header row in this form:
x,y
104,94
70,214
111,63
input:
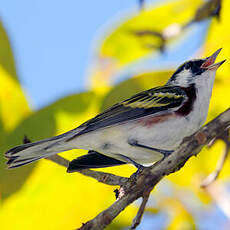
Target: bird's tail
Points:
x,y
27,153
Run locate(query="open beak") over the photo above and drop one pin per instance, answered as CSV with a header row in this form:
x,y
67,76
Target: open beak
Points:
x,y
209,62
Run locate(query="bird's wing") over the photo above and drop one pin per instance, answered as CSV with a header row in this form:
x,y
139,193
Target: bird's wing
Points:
x,y
160,99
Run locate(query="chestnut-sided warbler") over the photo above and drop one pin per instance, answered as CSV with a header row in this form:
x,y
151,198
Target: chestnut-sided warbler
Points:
x,y
140,130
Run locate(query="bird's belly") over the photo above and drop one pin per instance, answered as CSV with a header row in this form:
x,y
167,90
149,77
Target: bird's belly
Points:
x,y
165,135
113,141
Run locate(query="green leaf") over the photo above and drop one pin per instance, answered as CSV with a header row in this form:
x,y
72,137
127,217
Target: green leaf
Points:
x,y
41,124
6,54
13,108
13,104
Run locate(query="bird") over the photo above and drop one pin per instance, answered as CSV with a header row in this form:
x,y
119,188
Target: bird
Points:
x,y
141,130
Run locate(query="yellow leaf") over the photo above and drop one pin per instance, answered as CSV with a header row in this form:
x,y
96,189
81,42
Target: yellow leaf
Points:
x,y
124,44
125,47
219,37
13,104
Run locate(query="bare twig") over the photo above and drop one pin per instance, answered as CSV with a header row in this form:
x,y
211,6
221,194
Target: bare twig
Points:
x,y
147,179
225,137
214,175
58,160
137,219
148,32
210,8
216,190
106,178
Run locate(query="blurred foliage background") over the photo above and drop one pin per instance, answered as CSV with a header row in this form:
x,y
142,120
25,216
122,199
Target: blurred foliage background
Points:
x,y
43,196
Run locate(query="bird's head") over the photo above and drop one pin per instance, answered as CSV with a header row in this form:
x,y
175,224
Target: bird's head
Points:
x,y
197,71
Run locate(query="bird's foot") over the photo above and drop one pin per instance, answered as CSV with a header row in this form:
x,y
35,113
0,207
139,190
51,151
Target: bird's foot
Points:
x,y
137,165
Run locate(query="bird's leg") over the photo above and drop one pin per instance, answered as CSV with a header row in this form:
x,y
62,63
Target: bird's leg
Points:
x,y
129,160
138,166
166,153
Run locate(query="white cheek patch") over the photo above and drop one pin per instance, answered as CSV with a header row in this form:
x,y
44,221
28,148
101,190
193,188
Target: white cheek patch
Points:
x,y
184,78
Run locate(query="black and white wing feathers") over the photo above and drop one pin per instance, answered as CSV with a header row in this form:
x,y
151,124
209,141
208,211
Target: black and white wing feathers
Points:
x,y
140,105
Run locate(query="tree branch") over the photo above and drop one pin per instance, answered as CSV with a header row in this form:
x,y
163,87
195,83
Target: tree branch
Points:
x,y
214,175
138,217
59,160
106,178
225,137
147,179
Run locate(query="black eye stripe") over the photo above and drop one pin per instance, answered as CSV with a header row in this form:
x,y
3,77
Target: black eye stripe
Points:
x,y
188,65
193,65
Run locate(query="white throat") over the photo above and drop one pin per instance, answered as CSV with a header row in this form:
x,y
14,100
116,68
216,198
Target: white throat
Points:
x,y
203,84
